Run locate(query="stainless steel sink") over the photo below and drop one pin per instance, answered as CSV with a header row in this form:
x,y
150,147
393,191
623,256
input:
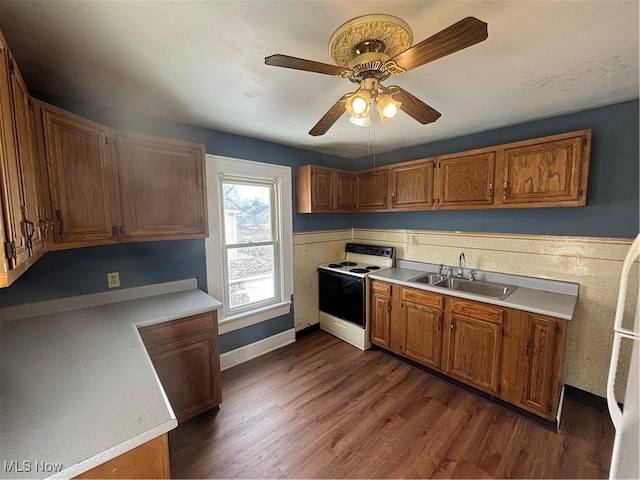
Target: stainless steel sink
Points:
x,y
430,279
479,287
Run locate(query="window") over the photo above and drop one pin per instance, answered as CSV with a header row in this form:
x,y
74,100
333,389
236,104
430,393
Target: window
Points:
x,y
249,250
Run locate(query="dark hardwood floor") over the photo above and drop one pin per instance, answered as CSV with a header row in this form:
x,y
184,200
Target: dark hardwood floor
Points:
x,y
321,408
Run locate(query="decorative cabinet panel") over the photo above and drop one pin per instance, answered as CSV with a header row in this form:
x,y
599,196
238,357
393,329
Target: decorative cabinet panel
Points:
x,y
20,232
422,318
539,371
514,355
465,181
371,189
162,188
550,172
380,316
81,179
412,186
323,190
186,358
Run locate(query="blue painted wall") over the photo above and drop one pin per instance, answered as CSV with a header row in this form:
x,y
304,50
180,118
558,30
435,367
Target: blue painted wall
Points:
x,y
613,194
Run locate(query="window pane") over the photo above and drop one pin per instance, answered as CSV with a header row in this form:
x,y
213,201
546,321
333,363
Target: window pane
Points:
x,y
251,275
247,213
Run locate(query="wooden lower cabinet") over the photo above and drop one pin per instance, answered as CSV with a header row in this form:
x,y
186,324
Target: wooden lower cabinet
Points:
x,y
474,344
149,460
380,317
513,355
541,364
422,318
186,358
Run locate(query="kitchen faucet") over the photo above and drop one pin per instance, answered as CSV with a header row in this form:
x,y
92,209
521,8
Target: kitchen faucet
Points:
x,y
462,263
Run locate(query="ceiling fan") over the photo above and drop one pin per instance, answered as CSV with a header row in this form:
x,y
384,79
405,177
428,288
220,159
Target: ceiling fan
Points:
x,y
369,49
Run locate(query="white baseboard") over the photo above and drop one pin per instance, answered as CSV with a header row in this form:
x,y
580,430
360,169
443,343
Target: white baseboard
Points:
x,y
253,350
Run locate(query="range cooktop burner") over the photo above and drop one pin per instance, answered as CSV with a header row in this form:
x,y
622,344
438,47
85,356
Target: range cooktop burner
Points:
x,y
358,270
372,267
348,264
335,265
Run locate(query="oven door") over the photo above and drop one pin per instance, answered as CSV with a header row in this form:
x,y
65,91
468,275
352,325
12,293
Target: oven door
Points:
x,y
342,296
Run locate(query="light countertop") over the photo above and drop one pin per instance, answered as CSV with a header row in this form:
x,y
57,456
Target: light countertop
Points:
x,y
77,387
547,297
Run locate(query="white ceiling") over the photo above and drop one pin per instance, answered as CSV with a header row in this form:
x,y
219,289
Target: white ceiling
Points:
x,y
202,63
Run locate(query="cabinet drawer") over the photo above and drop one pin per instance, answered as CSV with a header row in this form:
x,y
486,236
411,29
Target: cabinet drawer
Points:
x,y
422,297
477,311
199,326
380,287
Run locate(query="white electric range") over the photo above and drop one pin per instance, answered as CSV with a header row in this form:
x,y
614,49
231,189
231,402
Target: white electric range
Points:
x,y
344,291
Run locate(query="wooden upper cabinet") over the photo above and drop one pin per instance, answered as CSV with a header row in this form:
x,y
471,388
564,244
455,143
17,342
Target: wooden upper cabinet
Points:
x,y
162,188
465,181
344,191
412,186
474,344
541,361
24,121
14,248
551,171
371,189
323,190
80,178
20,232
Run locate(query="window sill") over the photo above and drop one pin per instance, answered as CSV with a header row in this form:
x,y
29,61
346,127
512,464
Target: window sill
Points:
x,y
246,319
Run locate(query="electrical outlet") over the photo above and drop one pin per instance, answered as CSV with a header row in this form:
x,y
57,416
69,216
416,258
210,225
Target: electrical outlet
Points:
x,y
113,279
414,240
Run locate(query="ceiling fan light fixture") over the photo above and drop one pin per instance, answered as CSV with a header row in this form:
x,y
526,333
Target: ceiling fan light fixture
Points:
x,y
361,122
387,106
359,104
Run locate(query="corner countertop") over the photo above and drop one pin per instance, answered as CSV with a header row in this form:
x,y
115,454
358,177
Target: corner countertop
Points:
x,y
77,387
547,297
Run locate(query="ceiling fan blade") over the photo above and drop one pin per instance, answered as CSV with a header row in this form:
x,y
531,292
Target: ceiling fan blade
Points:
x,y
331,117
413,106
306,65
458,36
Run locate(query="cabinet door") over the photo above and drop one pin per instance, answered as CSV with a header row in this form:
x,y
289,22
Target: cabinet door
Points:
x,y
162,186
475,344
14,249
423,334
549,172
344,189
23,115
187,376
81,179
371,190
412,186
381,314
322,183
466,181
543,344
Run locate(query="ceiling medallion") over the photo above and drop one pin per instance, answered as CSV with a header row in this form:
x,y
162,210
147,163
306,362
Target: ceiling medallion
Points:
x,y
379,33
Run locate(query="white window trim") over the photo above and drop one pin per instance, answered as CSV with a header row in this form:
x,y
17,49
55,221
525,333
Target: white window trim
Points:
x,y
213,245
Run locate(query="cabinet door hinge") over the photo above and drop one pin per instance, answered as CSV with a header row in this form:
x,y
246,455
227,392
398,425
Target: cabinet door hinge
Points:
x,y
584,142
557,328
10,249
106,140
580,193
12,65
